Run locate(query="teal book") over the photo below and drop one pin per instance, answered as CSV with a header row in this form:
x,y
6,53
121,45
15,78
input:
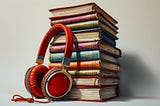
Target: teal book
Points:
x,y
83,55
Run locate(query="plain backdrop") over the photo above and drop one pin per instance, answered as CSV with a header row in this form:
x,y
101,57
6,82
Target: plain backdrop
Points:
x,y
24,22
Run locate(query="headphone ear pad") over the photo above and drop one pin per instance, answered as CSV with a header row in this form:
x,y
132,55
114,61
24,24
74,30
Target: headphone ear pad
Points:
x,y
34,78
56,83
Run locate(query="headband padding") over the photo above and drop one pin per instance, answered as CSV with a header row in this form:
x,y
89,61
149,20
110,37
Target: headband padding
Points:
x,y
47,38
35,77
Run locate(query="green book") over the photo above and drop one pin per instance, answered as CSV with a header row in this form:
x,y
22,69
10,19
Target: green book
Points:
x,y
92,24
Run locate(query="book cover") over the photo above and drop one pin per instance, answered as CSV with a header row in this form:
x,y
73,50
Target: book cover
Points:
x,y
80,9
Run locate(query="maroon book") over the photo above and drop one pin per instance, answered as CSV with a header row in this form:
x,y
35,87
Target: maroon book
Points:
x,y
93,45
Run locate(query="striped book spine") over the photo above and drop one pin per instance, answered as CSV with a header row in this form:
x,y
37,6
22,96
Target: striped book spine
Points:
x,y
76,56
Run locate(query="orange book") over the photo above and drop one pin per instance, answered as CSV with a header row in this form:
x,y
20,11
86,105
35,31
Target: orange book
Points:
x,y
86,65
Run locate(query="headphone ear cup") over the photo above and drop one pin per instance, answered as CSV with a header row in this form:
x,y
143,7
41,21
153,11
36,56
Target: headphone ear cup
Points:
x,y
33,79
56,83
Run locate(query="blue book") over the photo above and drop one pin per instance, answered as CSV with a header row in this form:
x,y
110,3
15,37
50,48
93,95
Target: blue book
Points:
x,y
83,55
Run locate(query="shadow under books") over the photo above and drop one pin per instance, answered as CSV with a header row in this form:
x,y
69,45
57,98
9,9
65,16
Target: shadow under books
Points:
x,y
136,78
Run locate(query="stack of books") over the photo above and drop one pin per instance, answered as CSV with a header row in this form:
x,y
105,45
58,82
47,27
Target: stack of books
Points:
x,y
94,65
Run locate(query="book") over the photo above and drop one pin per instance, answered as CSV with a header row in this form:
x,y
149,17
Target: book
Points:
x,y
92,24
82,46
81,9
95,80
88,65
86,36
83,55
93,93
82,18
94,67
94,72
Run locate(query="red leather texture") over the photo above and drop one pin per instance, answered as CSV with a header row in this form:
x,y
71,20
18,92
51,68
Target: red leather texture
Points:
x,y
33,81
48,36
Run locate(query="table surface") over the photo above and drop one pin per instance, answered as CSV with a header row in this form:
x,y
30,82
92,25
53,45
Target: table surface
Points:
x,y
120,101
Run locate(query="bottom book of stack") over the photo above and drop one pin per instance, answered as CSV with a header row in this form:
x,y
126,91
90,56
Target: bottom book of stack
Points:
x,y
96,93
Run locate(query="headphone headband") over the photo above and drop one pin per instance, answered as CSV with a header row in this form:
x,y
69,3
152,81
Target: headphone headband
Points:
x,y
47,38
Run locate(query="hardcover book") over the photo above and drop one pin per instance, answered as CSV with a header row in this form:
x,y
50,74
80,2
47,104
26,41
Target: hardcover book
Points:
x,y
85,46
92,24
81,9
93,93
88,65
95,72
86,36
82,18
83,55
95,80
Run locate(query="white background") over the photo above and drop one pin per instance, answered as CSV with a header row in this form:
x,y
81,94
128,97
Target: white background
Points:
x,y
24,22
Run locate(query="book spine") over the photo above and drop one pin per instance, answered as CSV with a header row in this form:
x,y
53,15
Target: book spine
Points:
x,y
93,86
90,80
78,65
76,56
72,15
84,25
76,47
85,73
95,72
98,77
75,19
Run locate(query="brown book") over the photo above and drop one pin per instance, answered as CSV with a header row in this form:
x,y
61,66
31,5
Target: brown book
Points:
x,y
88,65
81,9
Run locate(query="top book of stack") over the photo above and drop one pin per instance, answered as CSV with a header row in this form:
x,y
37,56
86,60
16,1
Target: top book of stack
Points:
x,y
82,9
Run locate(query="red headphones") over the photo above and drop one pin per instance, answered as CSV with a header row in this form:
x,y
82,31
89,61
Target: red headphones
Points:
x,y
41,82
